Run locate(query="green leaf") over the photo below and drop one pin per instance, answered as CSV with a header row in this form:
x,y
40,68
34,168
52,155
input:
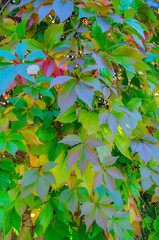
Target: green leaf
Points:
x,y
20,206
52,35
29,177
37,112
7,164
11,148
69,116
21,28
89,120
4,199
126,55
15,220
46,133
4,180
33,45
2,212
65,195
18,102
134,103
46,215
99,37
122,143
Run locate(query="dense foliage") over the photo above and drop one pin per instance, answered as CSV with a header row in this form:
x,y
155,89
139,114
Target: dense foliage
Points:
x,y
78,118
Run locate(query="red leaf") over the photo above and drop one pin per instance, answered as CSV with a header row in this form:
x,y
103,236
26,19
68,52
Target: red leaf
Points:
x,y
48,68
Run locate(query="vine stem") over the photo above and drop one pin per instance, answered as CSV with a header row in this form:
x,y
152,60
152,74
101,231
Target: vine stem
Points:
x,y
4,6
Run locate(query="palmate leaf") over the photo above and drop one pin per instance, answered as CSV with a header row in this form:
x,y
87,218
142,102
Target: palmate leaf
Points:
x,y
71,140
29,177
145,150
94,142
85,93
110,182
101,219
72,203
63,9
91,155
42,187
7,76
73,155
126,55
67,97
103,23
45,215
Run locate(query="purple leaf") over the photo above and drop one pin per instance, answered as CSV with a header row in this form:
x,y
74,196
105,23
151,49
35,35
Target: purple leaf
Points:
x,y
42,187
108,209
110,183
145,150
43,11
71,140
155,177
82,164
103,116
103,23
49,177
113,124
72,203
106,92
98,60
150,138
109,160
98,178
91,155
71,66
146,183
89,218
87,207
116,17
101,219
29,177
48,166
92,82
85,93
114,172
59,80
94,142
73,156
145,172
90,68
67,97
63,9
